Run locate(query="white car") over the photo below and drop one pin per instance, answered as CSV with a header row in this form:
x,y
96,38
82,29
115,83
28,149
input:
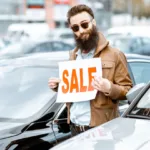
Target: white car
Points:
x,y
128,30
129,132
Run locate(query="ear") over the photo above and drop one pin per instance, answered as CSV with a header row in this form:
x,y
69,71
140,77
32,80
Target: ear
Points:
x,y
94,22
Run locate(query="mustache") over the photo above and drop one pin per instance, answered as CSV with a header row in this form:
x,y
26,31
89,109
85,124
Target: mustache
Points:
x,y
84,33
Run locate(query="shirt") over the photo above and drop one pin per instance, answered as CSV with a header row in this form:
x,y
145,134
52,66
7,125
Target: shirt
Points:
x,y
80,112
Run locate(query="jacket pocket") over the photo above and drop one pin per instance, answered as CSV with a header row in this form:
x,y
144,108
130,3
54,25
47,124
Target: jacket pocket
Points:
x,y
107,69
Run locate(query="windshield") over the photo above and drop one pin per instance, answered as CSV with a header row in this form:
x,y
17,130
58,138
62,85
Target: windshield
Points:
x,y
141,71
143,106
24,91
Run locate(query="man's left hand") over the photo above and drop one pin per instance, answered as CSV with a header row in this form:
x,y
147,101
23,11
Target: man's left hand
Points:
x,y
101,84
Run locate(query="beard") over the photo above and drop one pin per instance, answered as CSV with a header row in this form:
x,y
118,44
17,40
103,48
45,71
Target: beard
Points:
x,y
90,43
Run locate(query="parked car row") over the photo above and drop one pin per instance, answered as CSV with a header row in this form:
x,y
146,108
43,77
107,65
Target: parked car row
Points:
x,y
34,46
32,119
132,44
130,39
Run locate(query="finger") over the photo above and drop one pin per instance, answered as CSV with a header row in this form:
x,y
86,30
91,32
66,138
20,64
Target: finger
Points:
x,y
101,80
52,80
52,86
97,82
96,87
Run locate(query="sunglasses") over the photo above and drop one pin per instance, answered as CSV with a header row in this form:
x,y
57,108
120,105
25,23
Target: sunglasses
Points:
x,y
84,25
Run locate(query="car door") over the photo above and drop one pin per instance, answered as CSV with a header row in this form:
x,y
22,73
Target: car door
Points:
x,y
60,126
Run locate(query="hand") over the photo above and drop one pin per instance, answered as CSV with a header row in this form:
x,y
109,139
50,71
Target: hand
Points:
x,y
53,82
101,84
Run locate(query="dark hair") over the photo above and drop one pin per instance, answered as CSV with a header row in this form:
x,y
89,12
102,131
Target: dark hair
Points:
x,y
78,9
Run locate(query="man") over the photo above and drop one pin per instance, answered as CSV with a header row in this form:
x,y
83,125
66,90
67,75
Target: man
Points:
x,y
115,81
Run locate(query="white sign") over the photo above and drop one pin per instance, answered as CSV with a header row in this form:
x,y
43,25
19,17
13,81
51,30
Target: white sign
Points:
x,y
76,80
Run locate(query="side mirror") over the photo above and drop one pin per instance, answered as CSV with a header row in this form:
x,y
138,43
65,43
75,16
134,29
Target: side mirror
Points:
x,y
133,92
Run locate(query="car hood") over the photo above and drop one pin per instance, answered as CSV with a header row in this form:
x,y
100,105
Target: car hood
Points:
x,y
118,134
8,129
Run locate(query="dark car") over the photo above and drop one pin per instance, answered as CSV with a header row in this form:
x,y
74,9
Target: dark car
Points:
x,y
28,112
34,46
131,44
29,117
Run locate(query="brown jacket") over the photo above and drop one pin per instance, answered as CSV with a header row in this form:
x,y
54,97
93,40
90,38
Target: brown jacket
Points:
x,y
114,67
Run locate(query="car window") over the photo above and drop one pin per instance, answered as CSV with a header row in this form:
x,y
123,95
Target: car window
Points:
x,y
44,47
145,41
66,36
60,46
28,91
61,127
136,45
145,46
141,71
121,42
143,106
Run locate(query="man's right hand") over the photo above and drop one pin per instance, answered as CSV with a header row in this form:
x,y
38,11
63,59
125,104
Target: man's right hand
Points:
x,y
53,82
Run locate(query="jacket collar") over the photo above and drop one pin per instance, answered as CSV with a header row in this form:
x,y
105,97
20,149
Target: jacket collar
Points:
x,y
102,43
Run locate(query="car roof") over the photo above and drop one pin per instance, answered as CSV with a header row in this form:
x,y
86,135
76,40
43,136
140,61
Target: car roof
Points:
x,y
129,30
137,56
32,42
49,59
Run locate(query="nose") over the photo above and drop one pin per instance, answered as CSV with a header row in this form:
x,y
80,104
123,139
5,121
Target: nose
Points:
x,y
81,30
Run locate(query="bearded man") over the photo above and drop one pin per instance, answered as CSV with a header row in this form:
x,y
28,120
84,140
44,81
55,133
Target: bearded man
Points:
x,y
111,87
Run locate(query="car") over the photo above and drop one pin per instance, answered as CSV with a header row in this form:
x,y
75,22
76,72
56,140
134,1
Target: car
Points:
x,y
64,34
34,46
139,69
128,30
131,44
130,131
3,43
21,31
32,119
28,108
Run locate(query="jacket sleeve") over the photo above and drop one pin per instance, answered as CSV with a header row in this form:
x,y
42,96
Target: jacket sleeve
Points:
x,y
122,81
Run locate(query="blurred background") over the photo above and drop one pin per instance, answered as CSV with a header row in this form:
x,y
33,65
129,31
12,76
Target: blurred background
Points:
x,y
124,22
